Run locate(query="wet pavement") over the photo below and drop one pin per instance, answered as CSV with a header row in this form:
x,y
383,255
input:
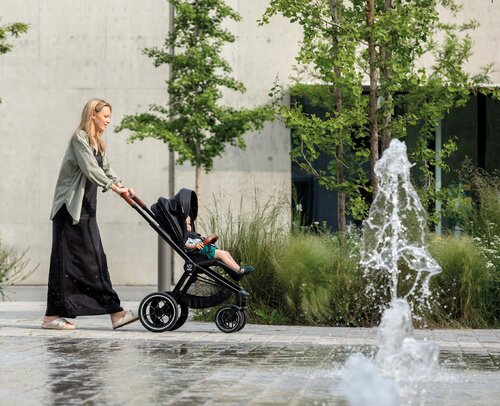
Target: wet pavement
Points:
x,y
199,365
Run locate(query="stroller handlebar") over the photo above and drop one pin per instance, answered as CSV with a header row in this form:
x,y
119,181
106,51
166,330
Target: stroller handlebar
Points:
x,y
132,200
139,202
127,198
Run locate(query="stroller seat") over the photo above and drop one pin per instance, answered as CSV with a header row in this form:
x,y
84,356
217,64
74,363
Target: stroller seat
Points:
x,y
202,261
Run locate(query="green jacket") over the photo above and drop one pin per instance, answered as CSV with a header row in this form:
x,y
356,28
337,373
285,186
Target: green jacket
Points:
x,y
78,165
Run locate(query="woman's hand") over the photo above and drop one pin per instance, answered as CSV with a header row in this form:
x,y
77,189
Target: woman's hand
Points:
x,y
120,189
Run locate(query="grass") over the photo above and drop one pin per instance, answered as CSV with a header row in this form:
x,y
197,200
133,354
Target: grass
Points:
x,y
467,288
309,276
479,214
322,282
13,267
254,237
302,277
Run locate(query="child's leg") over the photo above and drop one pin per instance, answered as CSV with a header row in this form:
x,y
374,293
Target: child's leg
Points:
x,y
226,257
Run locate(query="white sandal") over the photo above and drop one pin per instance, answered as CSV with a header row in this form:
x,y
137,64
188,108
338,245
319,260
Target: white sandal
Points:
x,y
58,324
128,318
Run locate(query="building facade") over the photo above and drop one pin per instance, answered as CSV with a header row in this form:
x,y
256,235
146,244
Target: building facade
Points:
x,y
77,50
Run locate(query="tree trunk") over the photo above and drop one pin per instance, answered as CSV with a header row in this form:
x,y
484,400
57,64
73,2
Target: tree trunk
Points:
x,y
386,57
197,180
341,211
374,150
387,109
198,170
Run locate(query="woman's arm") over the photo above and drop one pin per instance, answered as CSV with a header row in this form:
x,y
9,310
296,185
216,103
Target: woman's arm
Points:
x,y
88,164
106,167
105,176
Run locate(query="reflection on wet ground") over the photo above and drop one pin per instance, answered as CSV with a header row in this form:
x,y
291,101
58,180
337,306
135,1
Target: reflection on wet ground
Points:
x,y
65,371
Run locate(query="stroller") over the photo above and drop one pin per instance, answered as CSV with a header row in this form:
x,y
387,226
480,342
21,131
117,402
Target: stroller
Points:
x,y
199,286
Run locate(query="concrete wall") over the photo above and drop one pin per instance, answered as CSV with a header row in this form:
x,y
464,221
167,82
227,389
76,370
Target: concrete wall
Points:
x,y
486,38
76,50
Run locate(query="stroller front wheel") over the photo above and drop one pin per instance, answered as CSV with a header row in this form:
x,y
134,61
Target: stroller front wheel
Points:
x,y
158,312
230,319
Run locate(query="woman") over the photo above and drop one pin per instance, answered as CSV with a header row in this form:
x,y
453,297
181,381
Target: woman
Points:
x,y
79,283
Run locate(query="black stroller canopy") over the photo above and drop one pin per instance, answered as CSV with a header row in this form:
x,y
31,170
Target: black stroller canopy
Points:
x,y
171,213
189,202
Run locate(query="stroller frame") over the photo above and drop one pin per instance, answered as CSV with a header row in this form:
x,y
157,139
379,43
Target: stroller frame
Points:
x,y
165,311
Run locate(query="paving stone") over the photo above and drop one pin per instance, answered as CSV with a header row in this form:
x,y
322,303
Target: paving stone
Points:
x,y
198,365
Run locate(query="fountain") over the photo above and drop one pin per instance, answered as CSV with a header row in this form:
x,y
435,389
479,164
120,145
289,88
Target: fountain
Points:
x,y
393,234
394,240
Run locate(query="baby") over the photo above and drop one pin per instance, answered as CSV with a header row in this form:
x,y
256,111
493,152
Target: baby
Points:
x,y
194,242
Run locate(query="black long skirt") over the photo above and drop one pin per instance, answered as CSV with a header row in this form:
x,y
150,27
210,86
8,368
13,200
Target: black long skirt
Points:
x,y
79,282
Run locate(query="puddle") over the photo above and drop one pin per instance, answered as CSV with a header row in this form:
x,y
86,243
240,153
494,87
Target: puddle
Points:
x,y
113,372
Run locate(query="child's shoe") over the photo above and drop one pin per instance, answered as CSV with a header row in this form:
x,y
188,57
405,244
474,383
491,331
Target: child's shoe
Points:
x,y
247,269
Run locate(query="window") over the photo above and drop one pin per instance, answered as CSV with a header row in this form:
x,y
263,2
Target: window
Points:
x,y
475,125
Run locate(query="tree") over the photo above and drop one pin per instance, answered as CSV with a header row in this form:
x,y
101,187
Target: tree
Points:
x,y
327,56
382,43
14,30
194,124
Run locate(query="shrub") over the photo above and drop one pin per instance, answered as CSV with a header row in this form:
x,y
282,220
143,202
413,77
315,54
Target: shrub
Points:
x,y
254,237
12,267
304,275
468,287
305,272
322,281
297,273
479,215
309,276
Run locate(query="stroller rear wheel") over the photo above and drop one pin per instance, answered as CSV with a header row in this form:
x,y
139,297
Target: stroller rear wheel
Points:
x,y
158,312
230,319
183,312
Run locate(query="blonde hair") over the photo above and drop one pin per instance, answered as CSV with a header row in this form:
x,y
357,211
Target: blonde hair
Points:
x,y
86,124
